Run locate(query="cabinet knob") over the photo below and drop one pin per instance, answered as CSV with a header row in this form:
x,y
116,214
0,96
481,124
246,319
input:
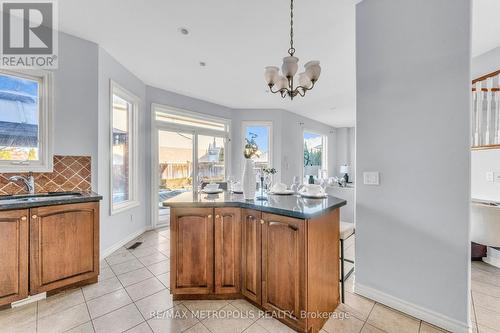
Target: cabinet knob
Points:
x,y
262,221
209,216
217,216
23,218
34,217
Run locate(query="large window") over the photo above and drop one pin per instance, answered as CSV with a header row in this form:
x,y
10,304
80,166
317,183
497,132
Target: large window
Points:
x,y
25,120
315,159
203,136
124,108
261,132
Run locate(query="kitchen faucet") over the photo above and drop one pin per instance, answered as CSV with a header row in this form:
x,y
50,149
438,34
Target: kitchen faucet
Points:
x,y
29,182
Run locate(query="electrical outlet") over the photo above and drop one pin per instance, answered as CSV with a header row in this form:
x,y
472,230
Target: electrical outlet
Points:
x,y
490,177
496,175
371,178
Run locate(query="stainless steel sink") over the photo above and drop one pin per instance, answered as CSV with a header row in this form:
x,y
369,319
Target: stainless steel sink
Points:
x,y
38,197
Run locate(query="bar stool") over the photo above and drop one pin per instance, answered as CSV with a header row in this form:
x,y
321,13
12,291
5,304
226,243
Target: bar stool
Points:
x,y
346,230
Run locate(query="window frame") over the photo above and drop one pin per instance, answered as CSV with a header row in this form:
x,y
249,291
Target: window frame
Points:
x,y
45,123
159,125
133,118
254,123
324,156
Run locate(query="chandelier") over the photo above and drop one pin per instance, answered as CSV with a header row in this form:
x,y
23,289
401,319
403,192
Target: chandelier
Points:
x,y
284,84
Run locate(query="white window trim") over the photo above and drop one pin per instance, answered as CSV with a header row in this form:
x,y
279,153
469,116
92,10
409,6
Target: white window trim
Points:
x,y
248,123
324,157
133,201
46,111
158,125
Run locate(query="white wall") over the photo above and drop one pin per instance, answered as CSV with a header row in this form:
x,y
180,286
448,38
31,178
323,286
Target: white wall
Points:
x,y
413,110
75,107
121,226
345,151
485,160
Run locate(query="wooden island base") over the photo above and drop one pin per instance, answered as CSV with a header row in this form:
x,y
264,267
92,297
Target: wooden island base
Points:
x,y
286,266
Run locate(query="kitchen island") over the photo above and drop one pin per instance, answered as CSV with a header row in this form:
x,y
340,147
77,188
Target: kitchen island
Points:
x,y
281,254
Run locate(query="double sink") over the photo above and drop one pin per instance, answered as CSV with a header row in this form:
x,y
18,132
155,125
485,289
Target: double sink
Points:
x,y
13,199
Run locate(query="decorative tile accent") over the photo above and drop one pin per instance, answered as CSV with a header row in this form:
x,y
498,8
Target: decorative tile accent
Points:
x,y
70,173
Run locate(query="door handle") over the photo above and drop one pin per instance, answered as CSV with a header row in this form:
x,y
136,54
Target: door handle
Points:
x,y
291,226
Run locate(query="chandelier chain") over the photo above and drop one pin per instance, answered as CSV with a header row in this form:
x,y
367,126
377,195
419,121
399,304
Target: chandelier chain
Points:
x,y
291,51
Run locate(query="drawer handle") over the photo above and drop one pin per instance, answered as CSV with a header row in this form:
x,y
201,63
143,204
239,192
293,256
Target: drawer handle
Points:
x,y
24,218
291,226
34,217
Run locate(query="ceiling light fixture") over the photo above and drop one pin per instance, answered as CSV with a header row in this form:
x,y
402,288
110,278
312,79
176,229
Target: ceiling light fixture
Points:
x,y
283,84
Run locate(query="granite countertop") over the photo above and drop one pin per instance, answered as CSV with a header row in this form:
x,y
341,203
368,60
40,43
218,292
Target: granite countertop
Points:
x,y
287,205
24,201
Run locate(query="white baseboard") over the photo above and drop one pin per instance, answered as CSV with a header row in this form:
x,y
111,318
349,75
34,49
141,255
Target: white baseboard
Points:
x,y
29,299
124,241
413,310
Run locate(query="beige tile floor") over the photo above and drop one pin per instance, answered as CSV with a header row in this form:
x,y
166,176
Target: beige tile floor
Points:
x,y
134,284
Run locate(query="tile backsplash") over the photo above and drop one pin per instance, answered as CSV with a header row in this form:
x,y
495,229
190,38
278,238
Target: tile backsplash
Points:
x,y
70,173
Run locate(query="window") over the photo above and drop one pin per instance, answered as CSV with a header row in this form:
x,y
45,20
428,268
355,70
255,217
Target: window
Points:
x,y
203,136
261,132
315,159
25,121
124,108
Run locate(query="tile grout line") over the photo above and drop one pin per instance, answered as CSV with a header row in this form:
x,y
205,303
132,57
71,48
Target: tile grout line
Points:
x,y
136,307
474,310
88,310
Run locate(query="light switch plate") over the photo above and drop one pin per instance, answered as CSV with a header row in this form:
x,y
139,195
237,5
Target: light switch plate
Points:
x,y
371,178
490,177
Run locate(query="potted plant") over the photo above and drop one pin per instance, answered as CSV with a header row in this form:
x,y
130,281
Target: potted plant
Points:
x,y
250,151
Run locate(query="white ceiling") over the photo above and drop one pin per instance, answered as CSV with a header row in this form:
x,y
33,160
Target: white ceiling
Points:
x,y
236,39
485,26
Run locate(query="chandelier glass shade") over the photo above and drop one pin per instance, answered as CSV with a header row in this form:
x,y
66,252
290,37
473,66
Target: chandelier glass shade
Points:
x,y
284,83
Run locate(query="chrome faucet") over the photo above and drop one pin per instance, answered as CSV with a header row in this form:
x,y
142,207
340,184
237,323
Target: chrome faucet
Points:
x,y
29,182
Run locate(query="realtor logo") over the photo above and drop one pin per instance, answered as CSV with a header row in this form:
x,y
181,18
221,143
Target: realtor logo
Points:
x,y
29,34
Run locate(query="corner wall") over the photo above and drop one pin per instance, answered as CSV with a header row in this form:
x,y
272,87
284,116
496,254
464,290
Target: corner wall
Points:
x,y
119,228
413,118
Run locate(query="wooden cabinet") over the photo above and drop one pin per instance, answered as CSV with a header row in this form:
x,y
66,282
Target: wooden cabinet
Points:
x,y
251,254
64,245
227,250
284,267
192,251
13,255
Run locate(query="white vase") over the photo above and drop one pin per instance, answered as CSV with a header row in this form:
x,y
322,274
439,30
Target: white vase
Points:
x,y
248,179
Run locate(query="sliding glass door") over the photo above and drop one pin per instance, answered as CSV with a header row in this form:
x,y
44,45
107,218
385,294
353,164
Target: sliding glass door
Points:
x,y
211,158
175,168
189,149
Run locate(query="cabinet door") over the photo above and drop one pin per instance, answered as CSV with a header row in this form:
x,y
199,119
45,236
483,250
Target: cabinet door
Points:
x,y
251,254
283,267
192,251
227,250
13,255
64,245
